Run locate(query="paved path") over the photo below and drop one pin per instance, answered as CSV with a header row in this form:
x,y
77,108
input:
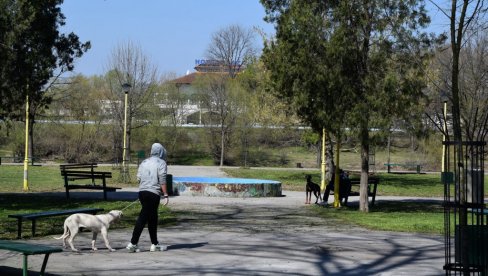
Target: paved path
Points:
x,y
251,236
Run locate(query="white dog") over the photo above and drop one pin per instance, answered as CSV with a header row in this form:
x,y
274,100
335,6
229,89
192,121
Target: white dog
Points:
x,y
96,224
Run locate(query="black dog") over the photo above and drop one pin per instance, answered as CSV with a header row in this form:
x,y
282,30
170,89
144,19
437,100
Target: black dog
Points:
x,y
312,188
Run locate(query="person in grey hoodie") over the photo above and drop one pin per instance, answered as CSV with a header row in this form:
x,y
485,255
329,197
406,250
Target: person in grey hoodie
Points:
x,y
152,184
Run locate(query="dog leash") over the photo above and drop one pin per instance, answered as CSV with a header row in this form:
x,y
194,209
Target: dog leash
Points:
x,y
137,200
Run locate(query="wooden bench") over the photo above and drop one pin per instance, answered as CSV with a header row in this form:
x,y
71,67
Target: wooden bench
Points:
x,y
30,249
34,216
372,188
73,172
416,167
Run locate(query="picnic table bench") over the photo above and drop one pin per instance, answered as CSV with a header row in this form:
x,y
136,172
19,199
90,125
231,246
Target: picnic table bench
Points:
x,y
30,249
372,188
34,216
86,171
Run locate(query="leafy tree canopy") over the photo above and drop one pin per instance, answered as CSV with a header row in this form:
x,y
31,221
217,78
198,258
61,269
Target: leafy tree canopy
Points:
x,y
338,60
33,52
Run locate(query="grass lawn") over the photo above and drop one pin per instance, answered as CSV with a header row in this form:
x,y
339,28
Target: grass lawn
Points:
x,y
420,217
48,178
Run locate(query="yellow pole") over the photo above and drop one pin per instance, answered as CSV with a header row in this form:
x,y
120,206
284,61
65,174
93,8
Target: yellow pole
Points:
x,y
125,133
337,201
322,169
444,136
26,155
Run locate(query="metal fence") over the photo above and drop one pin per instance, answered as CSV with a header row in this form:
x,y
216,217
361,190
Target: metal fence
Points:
x,y
465,215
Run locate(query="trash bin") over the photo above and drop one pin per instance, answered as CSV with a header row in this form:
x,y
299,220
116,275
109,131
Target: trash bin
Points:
x,y
169,184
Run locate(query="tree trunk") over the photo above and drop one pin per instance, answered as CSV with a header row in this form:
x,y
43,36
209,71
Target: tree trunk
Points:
x,y
31,139
363,186
456,42
222,144
329,158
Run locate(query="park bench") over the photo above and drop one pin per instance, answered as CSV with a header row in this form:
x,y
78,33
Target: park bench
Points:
x,y
372,188
30,249
409,166
34,216
73,172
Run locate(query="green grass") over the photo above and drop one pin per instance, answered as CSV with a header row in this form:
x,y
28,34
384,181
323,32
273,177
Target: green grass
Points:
x,y
48,178
420,217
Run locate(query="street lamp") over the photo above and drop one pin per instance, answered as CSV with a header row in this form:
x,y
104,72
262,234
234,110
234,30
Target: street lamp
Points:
x,y
444,99
26,154
125,87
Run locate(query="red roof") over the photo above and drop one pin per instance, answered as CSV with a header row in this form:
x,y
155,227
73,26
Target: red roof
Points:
x,y
187,79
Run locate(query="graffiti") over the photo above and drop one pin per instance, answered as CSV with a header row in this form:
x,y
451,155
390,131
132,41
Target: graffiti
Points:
x,y
223,188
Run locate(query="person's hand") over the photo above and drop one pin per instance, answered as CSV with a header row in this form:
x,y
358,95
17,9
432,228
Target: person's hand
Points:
x,y
165,200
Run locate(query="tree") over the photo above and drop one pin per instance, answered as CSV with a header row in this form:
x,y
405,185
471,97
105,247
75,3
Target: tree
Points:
x,y
218,98
129,65
348,63
80,102
466,20
258,109
233,47
33,53
473,92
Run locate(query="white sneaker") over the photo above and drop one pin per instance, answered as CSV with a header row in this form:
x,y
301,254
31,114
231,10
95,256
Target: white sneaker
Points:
x,y
133,248
158,247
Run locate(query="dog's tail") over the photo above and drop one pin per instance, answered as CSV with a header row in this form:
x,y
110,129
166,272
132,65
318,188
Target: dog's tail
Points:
x,y
65,234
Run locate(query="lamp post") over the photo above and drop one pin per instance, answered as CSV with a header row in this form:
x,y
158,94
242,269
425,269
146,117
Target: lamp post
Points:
x,y
26,155
444,127
125,87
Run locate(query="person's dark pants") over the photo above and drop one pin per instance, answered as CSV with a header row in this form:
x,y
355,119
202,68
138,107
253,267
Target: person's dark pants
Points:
x,y
149,215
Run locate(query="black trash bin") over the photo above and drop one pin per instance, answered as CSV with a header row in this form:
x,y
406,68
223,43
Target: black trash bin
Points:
x,y
169,184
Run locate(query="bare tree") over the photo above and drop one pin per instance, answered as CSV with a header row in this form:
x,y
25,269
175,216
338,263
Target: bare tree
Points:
x,y
466,19
473,93
232,46
129,65
219,99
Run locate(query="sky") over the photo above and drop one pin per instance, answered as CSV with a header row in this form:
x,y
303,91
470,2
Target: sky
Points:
x,y
172,33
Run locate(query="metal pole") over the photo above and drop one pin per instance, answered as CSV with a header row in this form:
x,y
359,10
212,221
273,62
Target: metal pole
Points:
x,y
26,154
337,199
444,136
125,131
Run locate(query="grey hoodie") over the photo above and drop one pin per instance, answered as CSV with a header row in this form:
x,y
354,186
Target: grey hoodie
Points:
x,y
152,171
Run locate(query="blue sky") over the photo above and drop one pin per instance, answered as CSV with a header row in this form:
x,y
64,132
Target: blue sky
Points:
x,y
173,33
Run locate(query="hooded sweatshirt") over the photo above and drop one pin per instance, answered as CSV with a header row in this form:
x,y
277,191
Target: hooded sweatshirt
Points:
x,y
152,171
